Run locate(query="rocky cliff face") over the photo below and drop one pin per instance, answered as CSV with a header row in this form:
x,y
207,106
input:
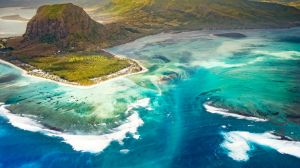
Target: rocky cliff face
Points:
x,y
66,25
67,28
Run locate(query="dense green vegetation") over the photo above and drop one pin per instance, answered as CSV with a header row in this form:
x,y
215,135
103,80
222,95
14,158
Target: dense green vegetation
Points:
x,y
295,3
124,6
74,30
79,68
53,11
278,1
202,14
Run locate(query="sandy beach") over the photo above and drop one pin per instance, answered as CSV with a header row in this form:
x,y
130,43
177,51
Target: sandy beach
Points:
x,y
41,75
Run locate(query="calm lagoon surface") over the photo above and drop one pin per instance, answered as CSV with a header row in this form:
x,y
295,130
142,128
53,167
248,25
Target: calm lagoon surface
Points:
x,y
205,101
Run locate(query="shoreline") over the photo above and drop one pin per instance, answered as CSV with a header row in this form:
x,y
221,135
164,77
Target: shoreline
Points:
x,y
115,75
98,81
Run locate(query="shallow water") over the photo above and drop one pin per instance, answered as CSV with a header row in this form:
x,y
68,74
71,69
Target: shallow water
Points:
x,y
206,101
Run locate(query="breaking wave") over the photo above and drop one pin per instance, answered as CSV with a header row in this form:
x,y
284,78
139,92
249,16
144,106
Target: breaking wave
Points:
x,y
213,64
288,55
224,112
83,143
238,144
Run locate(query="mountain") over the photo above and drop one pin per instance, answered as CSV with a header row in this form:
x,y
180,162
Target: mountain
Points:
x,y
203,14
294,3
67,27
64,24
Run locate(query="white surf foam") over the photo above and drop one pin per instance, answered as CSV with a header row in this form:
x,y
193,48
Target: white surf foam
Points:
x,y
124,151
20,121
97,143
226,113
236,146
84,143
214,63
142,103
237,143
289,55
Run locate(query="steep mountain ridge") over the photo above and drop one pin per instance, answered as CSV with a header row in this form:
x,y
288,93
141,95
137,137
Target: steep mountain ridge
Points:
x,y
205,14
66,24
67,27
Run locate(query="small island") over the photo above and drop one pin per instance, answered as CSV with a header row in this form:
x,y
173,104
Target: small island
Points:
x,y
62,43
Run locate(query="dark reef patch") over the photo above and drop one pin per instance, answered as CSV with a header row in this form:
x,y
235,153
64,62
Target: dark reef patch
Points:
x,y
209,92
162,58
231,35
185,57
290,39
8,78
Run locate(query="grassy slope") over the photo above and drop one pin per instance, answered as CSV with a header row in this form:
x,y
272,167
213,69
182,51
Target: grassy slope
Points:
x,y
53,11
142,17
41,52
124,6
197,14
294,3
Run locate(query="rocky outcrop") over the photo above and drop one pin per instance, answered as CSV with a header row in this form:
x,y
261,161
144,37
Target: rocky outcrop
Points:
x,y
66,25
63,28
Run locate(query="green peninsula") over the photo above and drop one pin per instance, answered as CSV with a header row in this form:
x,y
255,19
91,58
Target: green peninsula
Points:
x,y
64,44
78,68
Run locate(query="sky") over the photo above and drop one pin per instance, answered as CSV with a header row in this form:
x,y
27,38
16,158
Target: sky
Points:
x,y
35,3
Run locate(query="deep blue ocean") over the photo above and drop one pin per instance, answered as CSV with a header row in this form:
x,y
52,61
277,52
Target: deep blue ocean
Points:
x,y
207,100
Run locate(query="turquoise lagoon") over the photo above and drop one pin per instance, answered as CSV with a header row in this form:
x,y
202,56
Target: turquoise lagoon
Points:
x,y
205,101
